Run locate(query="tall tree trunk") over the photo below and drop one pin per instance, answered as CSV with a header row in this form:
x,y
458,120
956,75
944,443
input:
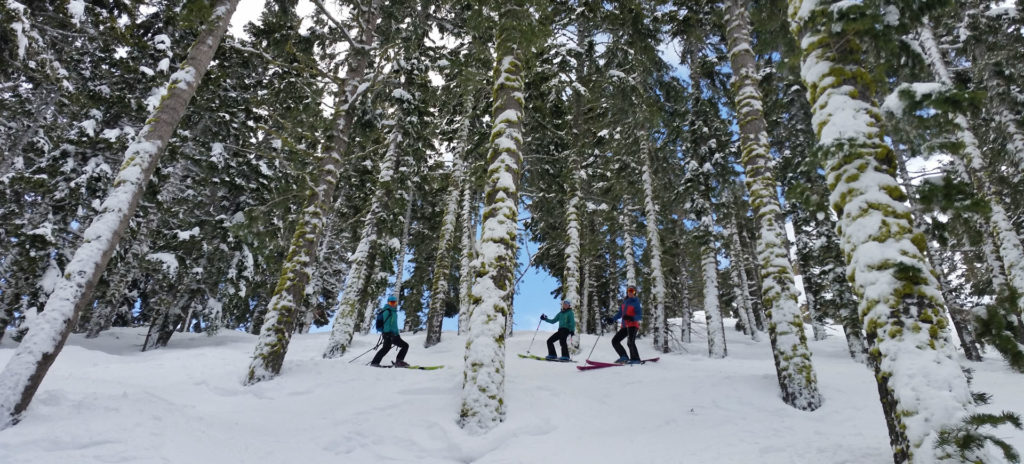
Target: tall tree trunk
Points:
x,y
279,320
627,248
900,302
658,322
709,269
350,312
443,263
741,303
483,386
817,318
743,286
814,313
396,290
467,247
712,309
747,262
974,170
685,330
793,364
959,316
583,322
25,370
571,286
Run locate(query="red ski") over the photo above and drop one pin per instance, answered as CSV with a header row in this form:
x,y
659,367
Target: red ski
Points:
x,y
600,365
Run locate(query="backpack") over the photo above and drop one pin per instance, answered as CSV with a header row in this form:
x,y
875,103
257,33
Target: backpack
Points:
x,y
379,323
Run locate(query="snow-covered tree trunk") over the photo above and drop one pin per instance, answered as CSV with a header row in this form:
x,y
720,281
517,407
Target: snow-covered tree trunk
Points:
x,y
705,232
793,364
686,327
817,322
483,387
511,317
1015,136
741,304
712,309
467,246
279,320
571,286
585,311
900,302
50,329
396,289
350,312
658,324
743,288
443,264
627,246
612,291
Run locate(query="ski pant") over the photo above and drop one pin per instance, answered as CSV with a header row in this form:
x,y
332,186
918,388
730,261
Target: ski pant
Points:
x,y
617,342
391,339
560,337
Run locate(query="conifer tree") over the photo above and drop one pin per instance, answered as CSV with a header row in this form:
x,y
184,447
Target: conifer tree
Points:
x,y
442,267
974,170
483,405
467,243
279,322
785,327
708,169
61,131
900,302
25,371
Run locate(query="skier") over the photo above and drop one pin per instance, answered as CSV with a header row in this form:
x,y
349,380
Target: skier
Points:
x,y
388,321
630,313
566,326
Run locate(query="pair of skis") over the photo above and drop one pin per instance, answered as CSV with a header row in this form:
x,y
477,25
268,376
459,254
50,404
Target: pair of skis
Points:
x,y
541,358
422,368
591,365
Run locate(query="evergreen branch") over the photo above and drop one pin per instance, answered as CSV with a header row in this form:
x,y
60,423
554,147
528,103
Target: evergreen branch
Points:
x,y
297,69
344,32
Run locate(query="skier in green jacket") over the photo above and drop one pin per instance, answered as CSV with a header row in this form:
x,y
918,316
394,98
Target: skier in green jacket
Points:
x,y
387,322
566,326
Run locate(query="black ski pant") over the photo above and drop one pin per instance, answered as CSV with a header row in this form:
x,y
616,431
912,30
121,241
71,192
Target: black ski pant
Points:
x,y
560,337
391,339
617,343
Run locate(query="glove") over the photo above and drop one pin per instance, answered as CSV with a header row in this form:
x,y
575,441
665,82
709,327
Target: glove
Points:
x,y
608,320
627,318
543,317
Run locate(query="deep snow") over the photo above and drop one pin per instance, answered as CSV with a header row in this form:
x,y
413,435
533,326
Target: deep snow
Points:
x,y
104,401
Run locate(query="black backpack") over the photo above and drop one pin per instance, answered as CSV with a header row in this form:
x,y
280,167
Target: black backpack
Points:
x,y
379,323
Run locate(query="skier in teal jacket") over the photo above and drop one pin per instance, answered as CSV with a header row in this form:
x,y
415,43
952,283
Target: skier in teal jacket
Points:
x,y
566,326
388,326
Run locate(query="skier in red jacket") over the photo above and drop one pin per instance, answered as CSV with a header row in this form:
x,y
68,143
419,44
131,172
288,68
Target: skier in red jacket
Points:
x,y
631,314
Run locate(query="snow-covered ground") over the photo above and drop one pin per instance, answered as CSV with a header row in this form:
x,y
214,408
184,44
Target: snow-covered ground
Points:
x,y
104,401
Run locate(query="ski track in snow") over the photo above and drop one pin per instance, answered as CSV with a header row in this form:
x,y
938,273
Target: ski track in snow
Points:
x,y
104,401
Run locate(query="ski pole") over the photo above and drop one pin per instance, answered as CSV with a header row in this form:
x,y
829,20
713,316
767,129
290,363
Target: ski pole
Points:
x,y
534,338
379,339
595,344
